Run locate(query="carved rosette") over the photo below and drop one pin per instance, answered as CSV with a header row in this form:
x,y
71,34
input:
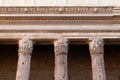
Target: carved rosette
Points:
x,y
25,46
96,46
61,46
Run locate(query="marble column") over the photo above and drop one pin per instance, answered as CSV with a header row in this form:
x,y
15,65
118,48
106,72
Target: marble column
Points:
x,y
96,47
61,51
24,59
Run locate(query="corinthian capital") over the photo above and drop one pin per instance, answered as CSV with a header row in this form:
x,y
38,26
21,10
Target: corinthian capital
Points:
x,y
25,46
61,46
96,45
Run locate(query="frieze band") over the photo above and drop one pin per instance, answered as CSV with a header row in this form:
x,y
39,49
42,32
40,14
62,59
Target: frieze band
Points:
x,y
56,10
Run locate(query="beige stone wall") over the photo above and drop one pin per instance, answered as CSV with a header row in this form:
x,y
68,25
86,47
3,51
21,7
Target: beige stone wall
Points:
x,y
60,2
12,2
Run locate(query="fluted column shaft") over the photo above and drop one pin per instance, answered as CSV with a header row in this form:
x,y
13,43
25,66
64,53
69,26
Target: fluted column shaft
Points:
x,y
24,59
61,50
96,47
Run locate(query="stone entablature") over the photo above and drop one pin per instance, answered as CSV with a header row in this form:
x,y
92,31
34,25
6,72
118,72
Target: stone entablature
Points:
x,y
94,29
59,15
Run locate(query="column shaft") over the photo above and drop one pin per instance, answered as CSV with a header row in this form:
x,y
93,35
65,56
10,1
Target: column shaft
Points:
x,y
96,47
24,59
61,50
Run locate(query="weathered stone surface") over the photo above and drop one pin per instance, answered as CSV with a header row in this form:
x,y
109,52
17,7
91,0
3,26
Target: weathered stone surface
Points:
x,y
96,46
61,3
61,50
42,66
24,52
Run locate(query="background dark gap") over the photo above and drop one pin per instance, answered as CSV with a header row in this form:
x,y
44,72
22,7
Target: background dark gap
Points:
x,y
112,61
42,64
79,64
8,61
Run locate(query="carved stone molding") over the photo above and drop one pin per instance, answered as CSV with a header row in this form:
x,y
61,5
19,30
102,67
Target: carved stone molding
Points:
x,y
56,10
59,20
58,15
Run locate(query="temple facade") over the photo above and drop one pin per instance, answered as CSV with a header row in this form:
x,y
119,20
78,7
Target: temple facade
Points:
x,y
60,39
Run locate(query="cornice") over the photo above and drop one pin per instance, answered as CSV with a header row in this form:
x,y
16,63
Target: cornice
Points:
x,y
59,14
56,10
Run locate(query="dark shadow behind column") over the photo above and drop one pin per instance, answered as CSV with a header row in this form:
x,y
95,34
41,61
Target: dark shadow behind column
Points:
x,y
42,63
8,61
112,61
79,63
